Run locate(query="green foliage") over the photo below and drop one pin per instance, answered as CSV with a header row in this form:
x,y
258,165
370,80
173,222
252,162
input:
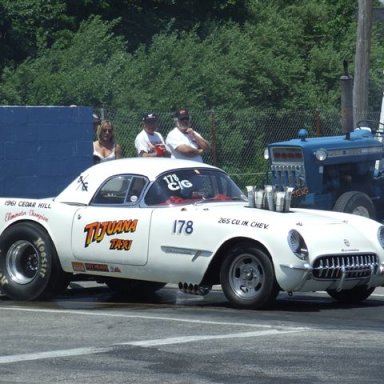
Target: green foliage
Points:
x,y
162,54
84,73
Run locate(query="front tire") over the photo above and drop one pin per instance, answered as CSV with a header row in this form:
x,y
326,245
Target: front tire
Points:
x,y
351,296
29,265
357,203
247,277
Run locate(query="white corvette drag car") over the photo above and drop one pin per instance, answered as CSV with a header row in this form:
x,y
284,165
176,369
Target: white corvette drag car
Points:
x,y
138,224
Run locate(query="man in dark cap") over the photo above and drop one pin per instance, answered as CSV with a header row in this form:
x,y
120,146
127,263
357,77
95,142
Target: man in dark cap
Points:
x,y
149,142
183,141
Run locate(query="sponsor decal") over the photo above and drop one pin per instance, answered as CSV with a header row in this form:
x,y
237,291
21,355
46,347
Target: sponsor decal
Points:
x,y
96,267
43,264
78,267
83,267
115,269
97,230
244,223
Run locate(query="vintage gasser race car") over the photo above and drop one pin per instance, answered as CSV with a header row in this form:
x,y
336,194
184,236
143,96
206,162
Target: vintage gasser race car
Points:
x,y
138,224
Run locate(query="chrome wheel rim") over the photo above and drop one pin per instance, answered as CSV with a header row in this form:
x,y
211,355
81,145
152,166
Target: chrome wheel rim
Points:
x,y
246,276
22,262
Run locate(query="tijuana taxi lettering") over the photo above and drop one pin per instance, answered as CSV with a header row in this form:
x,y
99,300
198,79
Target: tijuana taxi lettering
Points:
x,y
96,231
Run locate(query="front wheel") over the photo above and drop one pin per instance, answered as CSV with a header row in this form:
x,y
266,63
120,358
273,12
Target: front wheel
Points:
x,y
351,296
29,266
247,277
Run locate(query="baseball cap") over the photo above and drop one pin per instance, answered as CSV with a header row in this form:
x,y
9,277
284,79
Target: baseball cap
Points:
x,y
182,113
149,116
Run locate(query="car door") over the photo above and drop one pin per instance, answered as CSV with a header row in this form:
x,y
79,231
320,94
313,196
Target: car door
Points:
x,y
113,228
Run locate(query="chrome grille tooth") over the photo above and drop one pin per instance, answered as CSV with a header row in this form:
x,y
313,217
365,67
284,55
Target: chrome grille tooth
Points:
x,y
320,268
333,267
326,268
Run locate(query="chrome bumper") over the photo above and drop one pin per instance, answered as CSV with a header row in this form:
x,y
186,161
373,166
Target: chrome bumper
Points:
x,y
308,274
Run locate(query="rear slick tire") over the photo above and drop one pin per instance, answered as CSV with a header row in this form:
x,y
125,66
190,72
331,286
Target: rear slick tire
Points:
x,y
29,265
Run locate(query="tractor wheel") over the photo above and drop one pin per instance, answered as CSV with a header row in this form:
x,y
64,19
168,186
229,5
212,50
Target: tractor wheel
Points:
x,y
357,203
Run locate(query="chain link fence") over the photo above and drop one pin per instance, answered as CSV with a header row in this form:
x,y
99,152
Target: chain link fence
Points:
x,y
238,138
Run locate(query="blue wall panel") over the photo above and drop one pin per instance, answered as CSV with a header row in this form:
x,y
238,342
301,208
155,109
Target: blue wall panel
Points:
x,y
42,149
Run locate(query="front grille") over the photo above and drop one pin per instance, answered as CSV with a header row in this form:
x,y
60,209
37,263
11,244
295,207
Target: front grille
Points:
x,y
288,175
351,266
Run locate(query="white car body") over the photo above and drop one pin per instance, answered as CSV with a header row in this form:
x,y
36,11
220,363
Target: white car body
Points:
x,y
99,233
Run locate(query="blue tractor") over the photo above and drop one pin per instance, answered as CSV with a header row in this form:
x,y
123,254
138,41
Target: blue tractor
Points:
x,y
341,173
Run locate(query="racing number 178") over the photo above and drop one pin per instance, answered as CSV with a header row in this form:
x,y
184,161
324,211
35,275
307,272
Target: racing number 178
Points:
x,y
183,226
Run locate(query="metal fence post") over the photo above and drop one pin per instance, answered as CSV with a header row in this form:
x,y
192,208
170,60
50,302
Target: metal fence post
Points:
x,y
213,138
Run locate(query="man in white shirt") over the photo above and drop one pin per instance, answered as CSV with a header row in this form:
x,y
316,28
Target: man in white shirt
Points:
x,y
149,142
183,141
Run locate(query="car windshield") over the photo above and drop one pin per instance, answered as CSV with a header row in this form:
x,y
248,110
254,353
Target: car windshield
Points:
x,y
186,186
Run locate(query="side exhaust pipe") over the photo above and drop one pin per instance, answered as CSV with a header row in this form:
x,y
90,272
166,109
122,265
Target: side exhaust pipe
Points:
x,y
194,289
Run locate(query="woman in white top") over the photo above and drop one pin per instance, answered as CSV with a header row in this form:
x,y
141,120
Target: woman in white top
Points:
x,y
105,148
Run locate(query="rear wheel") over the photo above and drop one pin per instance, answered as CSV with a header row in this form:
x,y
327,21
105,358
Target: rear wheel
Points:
x,y
247,277
351,296
357,203
29,265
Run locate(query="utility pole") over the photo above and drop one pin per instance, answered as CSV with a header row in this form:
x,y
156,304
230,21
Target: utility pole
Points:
x,y
362,56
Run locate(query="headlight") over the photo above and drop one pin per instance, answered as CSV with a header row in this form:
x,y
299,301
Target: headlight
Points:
x,y
321,154
297,244
380,235
266,154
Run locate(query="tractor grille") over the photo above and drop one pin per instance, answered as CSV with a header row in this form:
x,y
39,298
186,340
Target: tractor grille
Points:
x,y
288,175
352,266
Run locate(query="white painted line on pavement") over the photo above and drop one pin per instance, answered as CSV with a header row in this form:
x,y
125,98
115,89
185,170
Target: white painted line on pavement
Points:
x,y
51,354
143,343
146,317
189,339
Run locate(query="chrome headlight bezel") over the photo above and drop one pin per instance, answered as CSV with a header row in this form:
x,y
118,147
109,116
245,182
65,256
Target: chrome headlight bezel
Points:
x,y
380,235
297,244
321,154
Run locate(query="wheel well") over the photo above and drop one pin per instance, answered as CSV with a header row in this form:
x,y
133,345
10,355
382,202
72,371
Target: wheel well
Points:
x,y
31,222
212,275
36,224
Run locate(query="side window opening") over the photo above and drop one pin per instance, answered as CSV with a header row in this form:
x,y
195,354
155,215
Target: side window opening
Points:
x,y
113,191
120,190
